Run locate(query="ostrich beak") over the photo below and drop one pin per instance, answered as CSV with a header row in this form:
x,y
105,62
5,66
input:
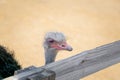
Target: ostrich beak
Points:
x,y
62,46
65,46
69,48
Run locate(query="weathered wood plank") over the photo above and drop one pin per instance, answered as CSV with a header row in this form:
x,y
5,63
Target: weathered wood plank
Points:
x,y
87,62
83,64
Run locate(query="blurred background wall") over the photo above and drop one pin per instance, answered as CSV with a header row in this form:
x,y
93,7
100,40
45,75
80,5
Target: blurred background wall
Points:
x,y
86,23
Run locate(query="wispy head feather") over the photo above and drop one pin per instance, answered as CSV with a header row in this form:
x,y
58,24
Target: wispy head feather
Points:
x,y
57,36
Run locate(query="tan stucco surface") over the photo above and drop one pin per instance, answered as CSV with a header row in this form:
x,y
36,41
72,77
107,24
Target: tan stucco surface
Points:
x,y
86,23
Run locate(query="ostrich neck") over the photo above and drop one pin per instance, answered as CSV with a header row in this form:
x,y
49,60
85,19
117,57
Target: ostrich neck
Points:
x,y
50,55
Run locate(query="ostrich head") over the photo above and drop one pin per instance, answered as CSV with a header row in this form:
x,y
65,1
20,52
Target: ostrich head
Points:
x,y
54,42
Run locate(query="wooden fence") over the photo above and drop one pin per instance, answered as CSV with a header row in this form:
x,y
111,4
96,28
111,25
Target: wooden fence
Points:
x,y
75,67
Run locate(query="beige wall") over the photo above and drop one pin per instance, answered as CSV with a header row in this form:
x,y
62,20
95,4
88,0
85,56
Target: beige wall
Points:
x,y
87,24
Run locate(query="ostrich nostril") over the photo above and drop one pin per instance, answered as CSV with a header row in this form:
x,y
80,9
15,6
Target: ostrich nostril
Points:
x,y
63,45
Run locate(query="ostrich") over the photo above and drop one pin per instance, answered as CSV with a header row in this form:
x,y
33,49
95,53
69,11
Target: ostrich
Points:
x,y
53,43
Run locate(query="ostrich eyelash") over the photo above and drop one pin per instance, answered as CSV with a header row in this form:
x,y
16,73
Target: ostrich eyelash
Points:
x,y
51,41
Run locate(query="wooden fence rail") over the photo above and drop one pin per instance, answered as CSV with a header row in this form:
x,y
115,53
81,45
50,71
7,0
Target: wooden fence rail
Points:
x,y
75,67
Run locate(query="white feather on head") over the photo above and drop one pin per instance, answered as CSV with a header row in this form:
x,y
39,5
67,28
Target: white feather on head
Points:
x,y
57,36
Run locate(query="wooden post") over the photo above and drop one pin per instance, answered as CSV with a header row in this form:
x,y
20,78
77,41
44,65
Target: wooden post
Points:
x,y
44,75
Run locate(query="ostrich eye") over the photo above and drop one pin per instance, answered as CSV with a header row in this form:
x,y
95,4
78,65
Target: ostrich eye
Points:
x,y
51,41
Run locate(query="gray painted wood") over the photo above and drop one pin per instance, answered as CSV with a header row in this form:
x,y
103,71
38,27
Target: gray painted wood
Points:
x,y
83,64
